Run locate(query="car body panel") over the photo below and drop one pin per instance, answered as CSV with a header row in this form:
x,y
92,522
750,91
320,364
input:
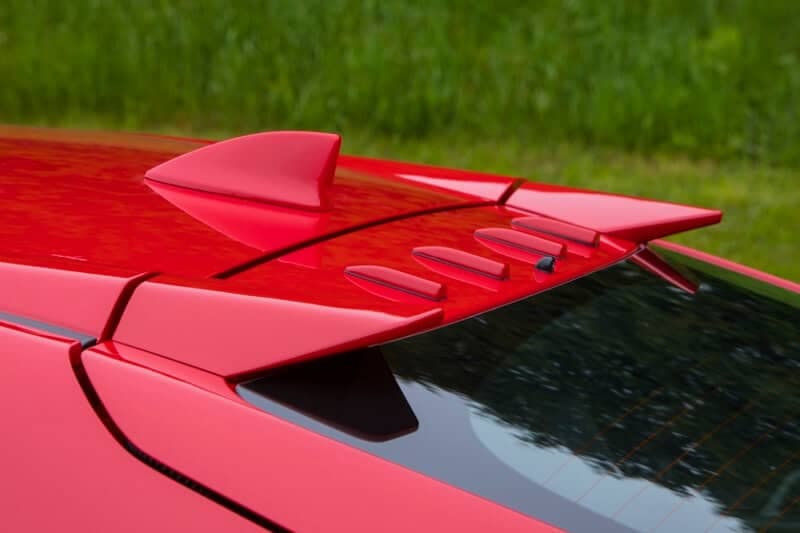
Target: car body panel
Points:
x,y
86,299
232,333
64,471
304,481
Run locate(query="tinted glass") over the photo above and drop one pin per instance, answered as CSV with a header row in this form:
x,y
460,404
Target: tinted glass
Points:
x,y
614,403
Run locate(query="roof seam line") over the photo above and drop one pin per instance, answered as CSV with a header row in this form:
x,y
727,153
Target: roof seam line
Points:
x,y
125,295
512,188
237,269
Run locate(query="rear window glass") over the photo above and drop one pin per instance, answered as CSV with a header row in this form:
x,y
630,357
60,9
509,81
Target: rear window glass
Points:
x,y
613,403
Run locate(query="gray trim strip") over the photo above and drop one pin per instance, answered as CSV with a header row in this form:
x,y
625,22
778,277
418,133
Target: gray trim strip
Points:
x,y
84,339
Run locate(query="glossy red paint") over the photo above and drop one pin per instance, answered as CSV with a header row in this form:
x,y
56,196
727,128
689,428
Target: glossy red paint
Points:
x,y
652,262
64,293
450,271
86,200
369,276
391,245
261,317
228,332
635,219
460,260
162,365
280,470
293,168
730,265
62,469
556,228
261,226
519,240
476,184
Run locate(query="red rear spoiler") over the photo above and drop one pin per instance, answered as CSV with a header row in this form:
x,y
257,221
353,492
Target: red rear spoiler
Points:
x,y
634,219
212,324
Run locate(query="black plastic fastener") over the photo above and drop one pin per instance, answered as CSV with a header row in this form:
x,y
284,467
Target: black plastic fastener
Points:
x,y
547,264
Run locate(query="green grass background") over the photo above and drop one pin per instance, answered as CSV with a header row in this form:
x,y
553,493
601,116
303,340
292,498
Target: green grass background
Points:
x,y
691,101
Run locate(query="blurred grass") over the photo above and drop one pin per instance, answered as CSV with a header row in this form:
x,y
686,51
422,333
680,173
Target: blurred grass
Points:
x,y
709,78
692,101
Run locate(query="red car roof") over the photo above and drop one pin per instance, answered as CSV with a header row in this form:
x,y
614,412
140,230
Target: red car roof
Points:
x,y
88,203
387,249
